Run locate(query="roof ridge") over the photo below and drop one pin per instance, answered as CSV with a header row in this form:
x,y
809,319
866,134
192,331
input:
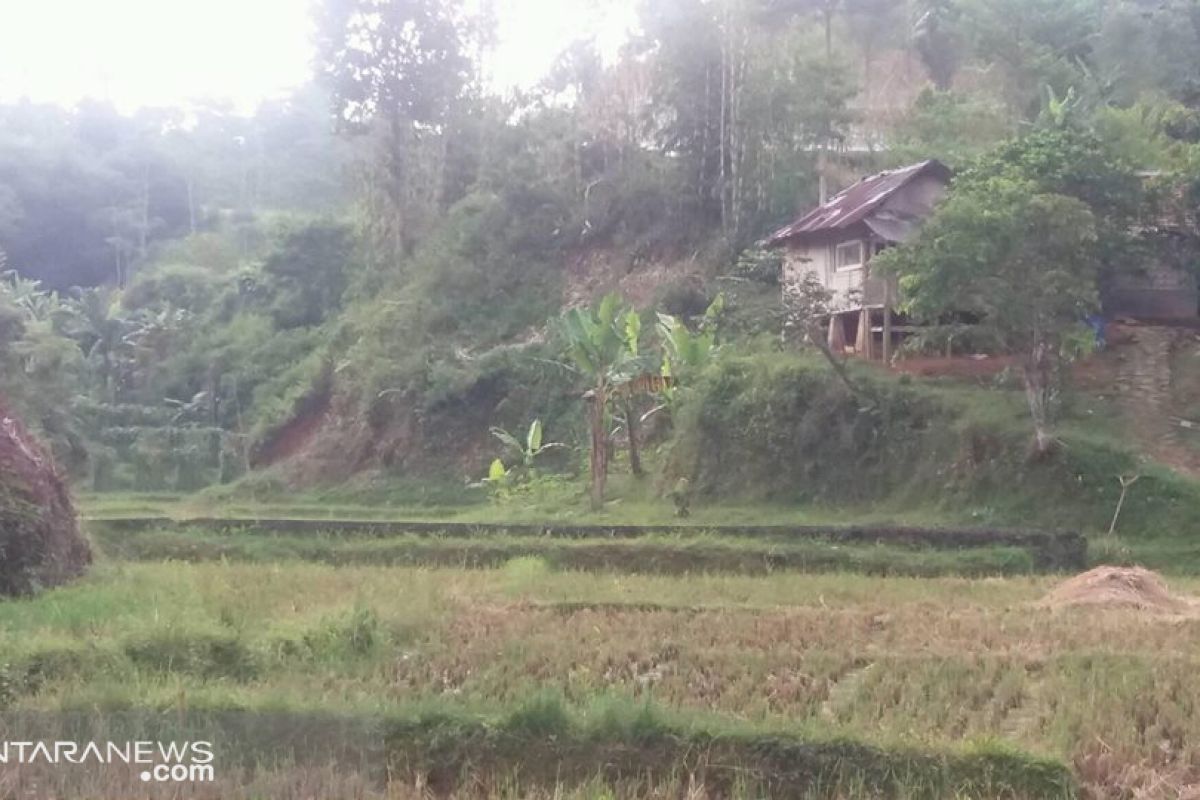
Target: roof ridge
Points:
x,y
852,204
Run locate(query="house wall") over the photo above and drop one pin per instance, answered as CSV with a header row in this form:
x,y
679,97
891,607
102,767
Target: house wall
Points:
x,y
877,291
916,199
817,258
1160,292
849,288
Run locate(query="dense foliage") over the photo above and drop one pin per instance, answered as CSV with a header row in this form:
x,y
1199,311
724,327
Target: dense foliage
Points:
x,y
367,269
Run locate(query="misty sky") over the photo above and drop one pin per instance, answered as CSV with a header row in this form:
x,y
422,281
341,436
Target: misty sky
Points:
x,y
165,52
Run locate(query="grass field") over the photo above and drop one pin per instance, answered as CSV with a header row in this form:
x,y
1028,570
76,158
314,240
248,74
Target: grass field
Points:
x,y
661,552
634,505
1170,551
396,681
697,664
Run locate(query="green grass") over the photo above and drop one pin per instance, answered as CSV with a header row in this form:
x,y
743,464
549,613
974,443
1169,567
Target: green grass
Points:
x,y
908,667
977,474
541,743
646,655
630,503
652,553
794,449
1177,555
543,746
1172,556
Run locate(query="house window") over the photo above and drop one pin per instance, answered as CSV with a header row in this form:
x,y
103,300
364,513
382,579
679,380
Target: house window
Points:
x,y
848,255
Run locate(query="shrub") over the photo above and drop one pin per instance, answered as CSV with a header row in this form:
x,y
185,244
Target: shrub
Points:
x,y
779,426
203,654
356,635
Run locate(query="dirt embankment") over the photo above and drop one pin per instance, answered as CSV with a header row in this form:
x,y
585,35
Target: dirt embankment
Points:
x,y
295,435
40,542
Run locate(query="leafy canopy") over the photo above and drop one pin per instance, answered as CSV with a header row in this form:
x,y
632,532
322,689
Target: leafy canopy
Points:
x,y
603,343
998,250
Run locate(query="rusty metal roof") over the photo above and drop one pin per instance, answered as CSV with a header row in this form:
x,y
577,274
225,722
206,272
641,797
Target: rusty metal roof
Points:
x,y
855,203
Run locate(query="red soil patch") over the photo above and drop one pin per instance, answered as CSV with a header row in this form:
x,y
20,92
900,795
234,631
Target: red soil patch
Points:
x,y
955,367
293,436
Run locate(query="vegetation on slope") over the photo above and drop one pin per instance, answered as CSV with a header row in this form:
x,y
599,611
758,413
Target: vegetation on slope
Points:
x,y
240,333
785,429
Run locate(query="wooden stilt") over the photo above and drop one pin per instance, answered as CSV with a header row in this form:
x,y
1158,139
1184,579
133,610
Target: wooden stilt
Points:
x,y
865,339
837,335
887,322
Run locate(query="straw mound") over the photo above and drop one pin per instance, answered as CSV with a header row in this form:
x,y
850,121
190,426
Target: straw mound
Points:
x,y
1118,587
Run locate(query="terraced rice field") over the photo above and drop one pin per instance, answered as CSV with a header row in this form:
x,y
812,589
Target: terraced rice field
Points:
x,y
527,680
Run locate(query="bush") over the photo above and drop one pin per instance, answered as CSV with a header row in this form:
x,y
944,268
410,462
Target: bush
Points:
x,y
683,297
356,635
199,653
781,427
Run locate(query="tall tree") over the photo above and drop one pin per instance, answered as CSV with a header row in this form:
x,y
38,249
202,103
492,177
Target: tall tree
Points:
x,y
742,101
396,69
1018,262
1022,245
1032,44
936,38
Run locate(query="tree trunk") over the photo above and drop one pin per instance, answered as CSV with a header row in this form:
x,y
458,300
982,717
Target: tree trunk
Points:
x,y
394,192
827,13
817,337
737,146
191,205
887,321
724,124
1036,373
599,455
110,385
702,176
631,427
144,226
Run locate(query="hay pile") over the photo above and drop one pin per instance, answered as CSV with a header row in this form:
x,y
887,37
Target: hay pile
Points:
x,y
1119,587
40,542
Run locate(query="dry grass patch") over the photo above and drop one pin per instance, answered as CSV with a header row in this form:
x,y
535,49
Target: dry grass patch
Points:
x,y
908,662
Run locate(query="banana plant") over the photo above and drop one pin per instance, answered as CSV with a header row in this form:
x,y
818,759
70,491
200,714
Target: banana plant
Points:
x,y
685,351
682,348
497,478
36,303
525,453
105,335
604,346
